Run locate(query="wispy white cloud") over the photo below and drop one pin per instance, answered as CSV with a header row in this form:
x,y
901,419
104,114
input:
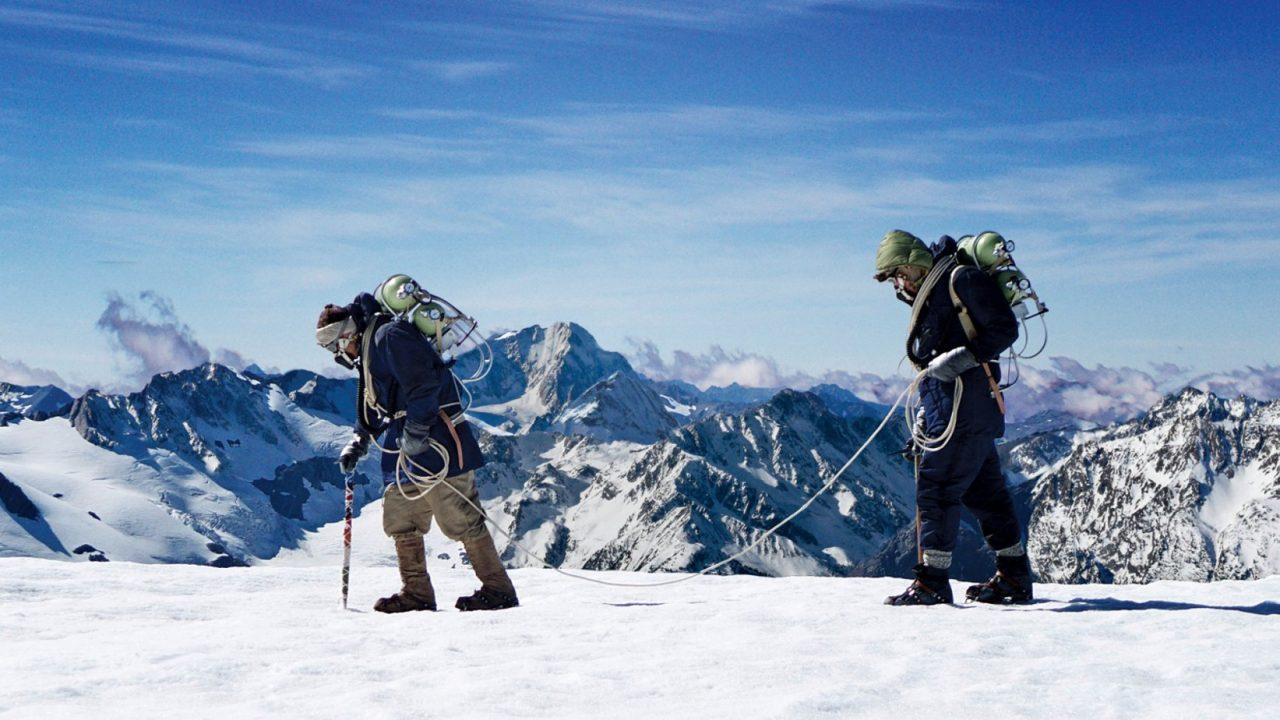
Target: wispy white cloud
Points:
x,y
402,147
1063,131
462,71
152,340
149,45
150,336
145,33
643,130
715,367
429,114
142,123
712,14
1152,228
513,25
1262,382
595,126
195,65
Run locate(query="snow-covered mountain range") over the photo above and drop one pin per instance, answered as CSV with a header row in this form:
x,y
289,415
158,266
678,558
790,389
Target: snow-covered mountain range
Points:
x,y
1188,491
201,466
700,493
592,465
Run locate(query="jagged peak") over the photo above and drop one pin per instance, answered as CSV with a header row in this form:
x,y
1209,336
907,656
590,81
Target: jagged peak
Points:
x,y
209,372
785,407
788,403
557,330
618,377
254,370
35,402
201,376
1187,400
34,391
573,329
559,341
14,387
1195,404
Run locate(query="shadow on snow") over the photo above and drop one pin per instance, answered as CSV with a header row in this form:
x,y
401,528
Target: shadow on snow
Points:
x,y
1108,604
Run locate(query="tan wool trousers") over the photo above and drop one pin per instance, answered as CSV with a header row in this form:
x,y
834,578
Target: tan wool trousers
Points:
x,y
458,520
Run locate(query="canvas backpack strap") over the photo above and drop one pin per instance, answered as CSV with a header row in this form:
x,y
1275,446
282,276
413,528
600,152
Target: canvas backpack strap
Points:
x,y
966,322
971,332
370,398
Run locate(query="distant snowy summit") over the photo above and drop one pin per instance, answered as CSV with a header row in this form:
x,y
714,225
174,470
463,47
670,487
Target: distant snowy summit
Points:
x,y
19,402
559,375
594,465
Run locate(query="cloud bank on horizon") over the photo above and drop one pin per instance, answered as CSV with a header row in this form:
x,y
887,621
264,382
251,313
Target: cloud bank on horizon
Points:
x,y
1099,394
150,338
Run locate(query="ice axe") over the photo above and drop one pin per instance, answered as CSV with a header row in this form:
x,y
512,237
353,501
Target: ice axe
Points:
x,y
346,536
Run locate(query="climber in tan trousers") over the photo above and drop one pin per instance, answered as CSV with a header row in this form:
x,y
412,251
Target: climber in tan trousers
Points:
x,y
405,387
407,520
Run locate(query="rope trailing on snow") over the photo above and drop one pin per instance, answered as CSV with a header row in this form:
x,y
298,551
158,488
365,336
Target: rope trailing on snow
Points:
x,y
426,481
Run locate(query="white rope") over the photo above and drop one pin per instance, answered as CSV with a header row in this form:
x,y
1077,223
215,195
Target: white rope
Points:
x,y
924,442
434,479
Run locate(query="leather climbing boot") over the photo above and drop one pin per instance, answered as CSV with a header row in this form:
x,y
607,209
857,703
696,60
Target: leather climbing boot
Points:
x,y
932,586
1010,585
496,591
417,593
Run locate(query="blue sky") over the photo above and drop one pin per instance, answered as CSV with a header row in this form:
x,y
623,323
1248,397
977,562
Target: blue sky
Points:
x,y
694,174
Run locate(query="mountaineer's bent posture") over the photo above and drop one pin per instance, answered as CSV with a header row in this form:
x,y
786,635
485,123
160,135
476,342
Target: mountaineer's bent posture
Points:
x,y
966,470
404,386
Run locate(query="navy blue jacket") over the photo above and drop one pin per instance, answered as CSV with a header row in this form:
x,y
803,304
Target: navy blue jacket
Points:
x,y
939,330
409,375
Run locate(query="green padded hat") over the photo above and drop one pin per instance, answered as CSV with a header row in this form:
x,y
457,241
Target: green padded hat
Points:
x,y
899,248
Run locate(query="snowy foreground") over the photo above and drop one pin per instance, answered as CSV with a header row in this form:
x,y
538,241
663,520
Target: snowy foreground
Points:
x,y
120,640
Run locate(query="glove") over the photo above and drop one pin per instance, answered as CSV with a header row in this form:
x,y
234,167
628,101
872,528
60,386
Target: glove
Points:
x,y
911,451
414,439
948,366
351,454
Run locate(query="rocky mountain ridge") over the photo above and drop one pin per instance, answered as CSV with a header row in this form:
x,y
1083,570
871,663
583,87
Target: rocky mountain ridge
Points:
x,y
1188,491
595,466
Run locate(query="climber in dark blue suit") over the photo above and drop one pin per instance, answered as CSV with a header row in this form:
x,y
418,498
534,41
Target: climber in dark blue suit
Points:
x,y
965,471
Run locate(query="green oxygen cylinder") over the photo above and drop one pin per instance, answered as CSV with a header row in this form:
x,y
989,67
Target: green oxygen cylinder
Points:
x,y
987,250
1015,286
398,294
430,318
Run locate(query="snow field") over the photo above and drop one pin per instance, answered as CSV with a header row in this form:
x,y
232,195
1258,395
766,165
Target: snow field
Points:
x,y
121,640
